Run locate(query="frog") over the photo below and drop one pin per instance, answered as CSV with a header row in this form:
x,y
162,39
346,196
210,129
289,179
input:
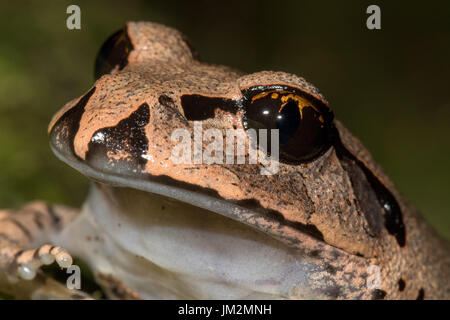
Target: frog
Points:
x,y
328,223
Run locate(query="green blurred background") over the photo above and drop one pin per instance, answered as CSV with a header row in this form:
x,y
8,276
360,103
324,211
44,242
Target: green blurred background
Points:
x,y
390,87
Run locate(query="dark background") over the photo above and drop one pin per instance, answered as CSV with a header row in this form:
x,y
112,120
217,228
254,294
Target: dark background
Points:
x,y
390,86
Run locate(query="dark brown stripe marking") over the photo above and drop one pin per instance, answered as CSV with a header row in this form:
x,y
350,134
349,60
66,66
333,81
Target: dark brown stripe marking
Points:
x,y
197,107
37,218
56,220
378,294
36,253
17,254
401,284
393,217
366,199
63,133
8,238
128,137
421,295
169,104
25,231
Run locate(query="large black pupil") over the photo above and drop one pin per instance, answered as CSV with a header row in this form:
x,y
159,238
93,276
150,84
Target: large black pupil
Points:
x,y
303,133
288,121
114,51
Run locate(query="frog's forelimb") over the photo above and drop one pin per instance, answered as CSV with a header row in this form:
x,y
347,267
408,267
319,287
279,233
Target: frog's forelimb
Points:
x,y
25,237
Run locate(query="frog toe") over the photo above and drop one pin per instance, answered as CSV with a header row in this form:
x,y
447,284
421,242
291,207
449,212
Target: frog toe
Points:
x,y
29,261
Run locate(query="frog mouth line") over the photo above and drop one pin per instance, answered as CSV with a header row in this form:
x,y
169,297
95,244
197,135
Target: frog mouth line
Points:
x,y
249,212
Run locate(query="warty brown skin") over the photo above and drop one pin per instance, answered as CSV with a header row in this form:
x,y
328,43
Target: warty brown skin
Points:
x,y
328,193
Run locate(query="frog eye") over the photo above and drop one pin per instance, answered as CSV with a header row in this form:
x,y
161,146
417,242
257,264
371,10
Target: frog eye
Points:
x,y
303,122
114,52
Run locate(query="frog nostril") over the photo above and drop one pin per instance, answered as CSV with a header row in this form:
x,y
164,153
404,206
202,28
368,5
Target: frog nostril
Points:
x,y
166,101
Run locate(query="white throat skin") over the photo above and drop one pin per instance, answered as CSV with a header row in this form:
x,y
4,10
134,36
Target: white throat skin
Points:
x,y
166,249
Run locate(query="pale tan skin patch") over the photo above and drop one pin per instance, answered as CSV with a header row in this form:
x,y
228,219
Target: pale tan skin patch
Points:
x,y
318,193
